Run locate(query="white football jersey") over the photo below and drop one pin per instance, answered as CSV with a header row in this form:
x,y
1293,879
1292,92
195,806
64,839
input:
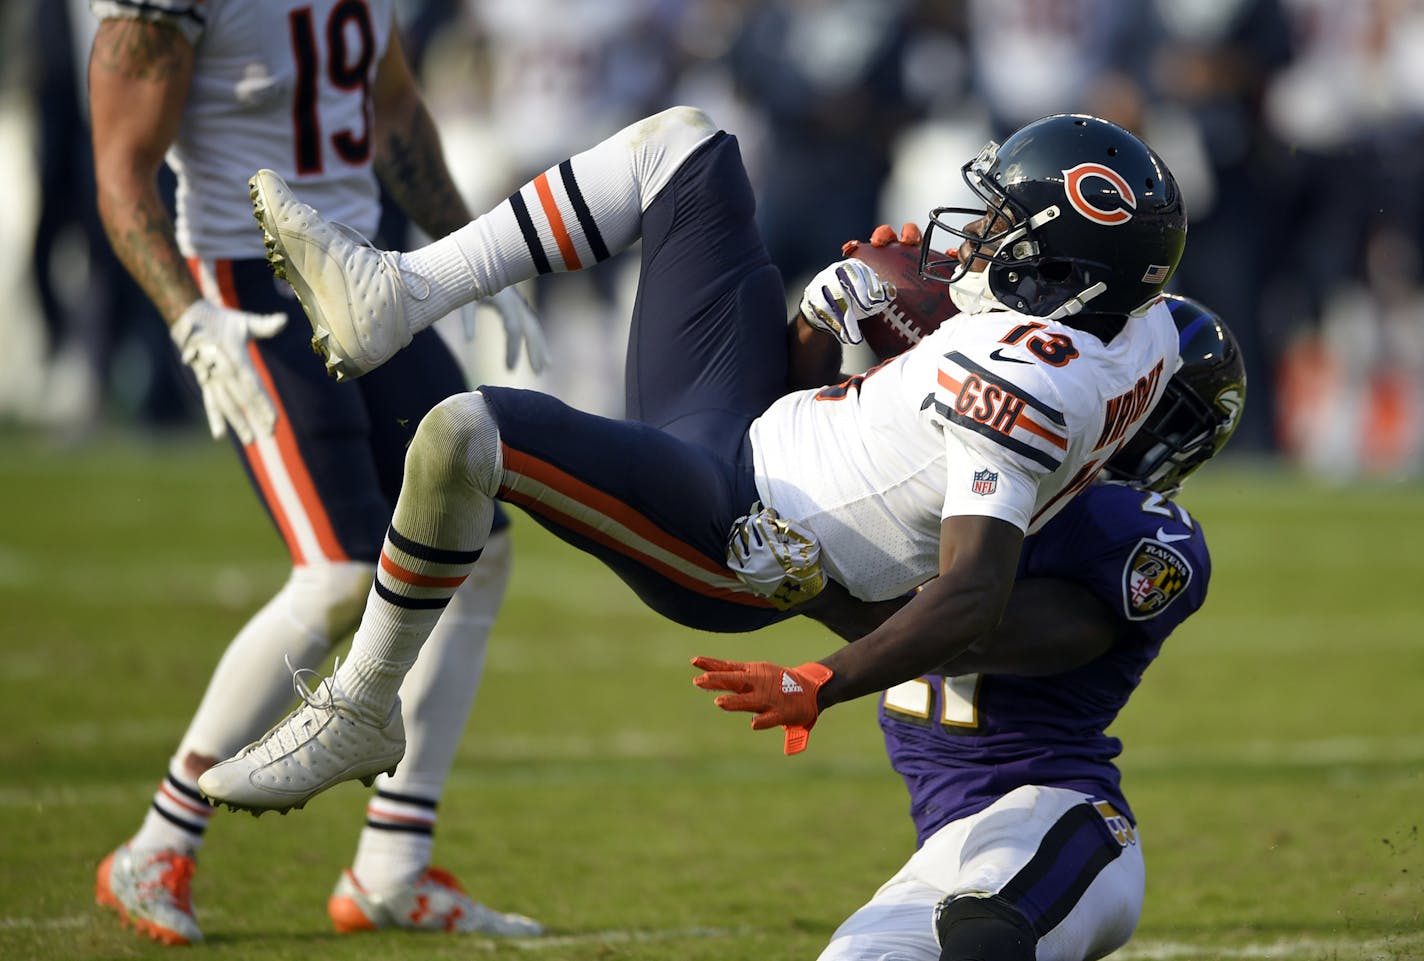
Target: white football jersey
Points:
x,y
284,84
997,413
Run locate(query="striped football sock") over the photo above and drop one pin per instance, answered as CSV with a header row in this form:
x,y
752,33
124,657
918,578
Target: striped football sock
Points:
x,y
572,216
413,586
396,842
177,818
439,529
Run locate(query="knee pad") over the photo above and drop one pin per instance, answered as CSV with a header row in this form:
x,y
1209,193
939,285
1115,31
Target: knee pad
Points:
x,y
978,928
327,599
456,442
659,144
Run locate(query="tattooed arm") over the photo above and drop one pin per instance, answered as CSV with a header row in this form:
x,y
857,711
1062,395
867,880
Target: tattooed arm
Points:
x,y
411,165
408,155
139,74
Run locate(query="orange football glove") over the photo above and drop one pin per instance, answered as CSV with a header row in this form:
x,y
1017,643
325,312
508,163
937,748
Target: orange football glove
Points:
x,y
884,236
778,695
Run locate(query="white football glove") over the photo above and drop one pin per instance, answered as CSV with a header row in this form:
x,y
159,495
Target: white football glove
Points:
x,y
842,295
521,328
212,340
775,558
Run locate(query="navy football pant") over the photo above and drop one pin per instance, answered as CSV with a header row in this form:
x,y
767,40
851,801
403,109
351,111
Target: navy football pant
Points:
x,y
654,496
330,474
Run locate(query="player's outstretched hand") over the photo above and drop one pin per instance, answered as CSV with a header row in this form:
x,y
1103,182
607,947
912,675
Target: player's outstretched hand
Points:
x,y
775,558
842,295
778,695
213,341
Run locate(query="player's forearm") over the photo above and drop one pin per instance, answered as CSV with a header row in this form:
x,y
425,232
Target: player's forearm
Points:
x,y
847,616
410,162
141,233
1049,626
139,75
940,623
813,356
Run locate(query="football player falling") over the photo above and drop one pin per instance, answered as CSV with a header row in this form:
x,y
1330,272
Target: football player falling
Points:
x,y
930,469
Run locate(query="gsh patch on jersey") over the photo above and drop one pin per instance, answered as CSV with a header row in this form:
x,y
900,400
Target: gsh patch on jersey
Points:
x,y
1155,574
978,399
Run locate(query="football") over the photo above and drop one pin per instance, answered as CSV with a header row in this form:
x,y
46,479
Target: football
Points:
x,y
919,306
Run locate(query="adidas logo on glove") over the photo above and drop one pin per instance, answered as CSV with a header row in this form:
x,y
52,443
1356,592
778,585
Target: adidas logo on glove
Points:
x,y
789,685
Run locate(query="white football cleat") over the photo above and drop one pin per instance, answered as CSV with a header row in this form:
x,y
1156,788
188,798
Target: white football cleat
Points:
x,y
434,902
353,294
322,743
151,890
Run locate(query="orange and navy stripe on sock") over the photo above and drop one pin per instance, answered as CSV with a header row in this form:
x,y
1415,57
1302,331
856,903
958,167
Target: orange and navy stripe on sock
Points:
x,y
556,222
419,577
181,805
401,813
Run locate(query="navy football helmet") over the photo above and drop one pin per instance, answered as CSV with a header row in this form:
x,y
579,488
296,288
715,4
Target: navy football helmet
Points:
x,y
1199,409
1082,215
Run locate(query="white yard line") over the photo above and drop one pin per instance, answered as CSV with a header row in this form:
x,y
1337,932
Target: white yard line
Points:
x,y
47,924
1282,949
593,938
637,744
1322,752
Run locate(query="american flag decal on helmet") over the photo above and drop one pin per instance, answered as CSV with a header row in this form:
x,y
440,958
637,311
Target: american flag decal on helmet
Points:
x,y
1156,274
985,482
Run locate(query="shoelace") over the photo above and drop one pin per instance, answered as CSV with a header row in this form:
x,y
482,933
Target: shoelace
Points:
x,y
321,695
408,279
288,735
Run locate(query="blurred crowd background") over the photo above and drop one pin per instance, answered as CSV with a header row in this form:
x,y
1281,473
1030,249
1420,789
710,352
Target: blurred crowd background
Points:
x,y
1295,127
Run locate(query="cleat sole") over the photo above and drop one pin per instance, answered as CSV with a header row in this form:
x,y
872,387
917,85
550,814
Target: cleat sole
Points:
x,y
277,260
324,345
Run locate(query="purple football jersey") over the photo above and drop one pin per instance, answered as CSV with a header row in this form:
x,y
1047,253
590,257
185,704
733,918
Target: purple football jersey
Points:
x,y
962,742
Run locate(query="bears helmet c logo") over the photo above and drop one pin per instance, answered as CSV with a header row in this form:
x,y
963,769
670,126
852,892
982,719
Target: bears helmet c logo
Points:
x,y
1074,183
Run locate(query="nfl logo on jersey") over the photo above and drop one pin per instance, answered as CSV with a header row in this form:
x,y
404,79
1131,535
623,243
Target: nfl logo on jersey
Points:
x,y
985,482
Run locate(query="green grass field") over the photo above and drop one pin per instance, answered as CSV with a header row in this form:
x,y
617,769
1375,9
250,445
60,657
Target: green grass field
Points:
x,y
1274,753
